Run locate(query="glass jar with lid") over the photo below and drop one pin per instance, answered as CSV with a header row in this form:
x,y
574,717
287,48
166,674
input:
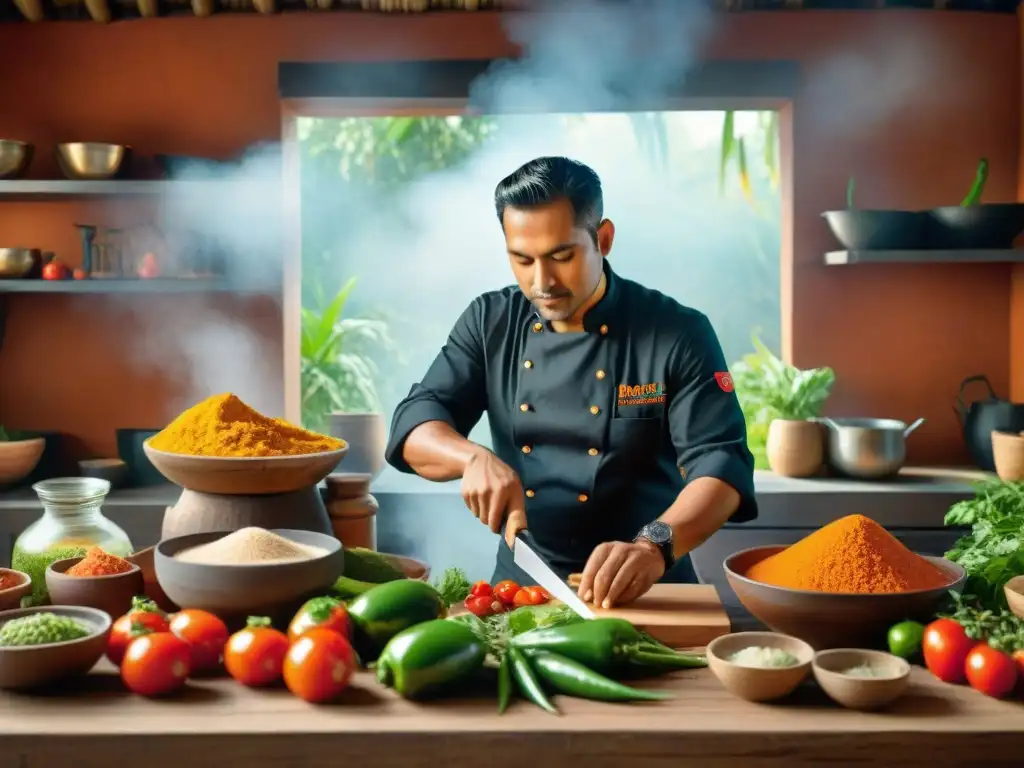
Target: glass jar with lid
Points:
x,y
72,522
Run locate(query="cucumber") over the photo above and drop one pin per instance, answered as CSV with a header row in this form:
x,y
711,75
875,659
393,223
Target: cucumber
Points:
x,y
366,565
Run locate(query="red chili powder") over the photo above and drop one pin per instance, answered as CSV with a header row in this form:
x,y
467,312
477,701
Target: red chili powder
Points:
x,y
98,563
6,581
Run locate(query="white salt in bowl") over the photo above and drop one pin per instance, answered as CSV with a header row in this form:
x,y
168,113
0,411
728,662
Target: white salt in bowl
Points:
x,y
256,589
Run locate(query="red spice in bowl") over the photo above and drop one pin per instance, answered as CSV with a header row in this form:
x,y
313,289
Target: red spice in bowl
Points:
x,y
6,581
98,563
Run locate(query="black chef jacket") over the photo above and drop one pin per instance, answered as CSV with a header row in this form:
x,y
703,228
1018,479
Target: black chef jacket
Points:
x,y
603,427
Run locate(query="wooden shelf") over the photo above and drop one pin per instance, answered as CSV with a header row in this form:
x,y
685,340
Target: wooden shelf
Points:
x,y
841,258
61,189
130,285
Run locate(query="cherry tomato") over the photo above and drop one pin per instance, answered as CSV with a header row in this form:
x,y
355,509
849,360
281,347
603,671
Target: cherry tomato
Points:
x,y
319,665
1018,659
539,595
142,619
156,664
326,612
54,270
254,656
990,671
530,596
481,589
206,635
506,591
484,606
80,274
945,646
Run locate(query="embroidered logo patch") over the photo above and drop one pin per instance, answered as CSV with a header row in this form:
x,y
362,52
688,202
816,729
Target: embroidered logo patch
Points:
x,y
641,394
724,380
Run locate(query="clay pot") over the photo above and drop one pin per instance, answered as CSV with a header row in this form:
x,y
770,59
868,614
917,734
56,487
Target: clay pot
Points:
x,y
353,511
795,448
1008,452
366,435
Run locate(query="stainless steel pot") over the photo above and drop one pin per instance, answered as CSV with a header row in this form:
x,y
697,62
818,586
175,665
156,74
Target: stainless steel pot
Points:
x,y
869,449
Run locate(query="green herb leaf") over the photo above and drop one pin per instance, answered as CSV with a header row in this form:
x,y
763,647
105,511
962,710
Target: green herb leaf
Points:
x,y
453,586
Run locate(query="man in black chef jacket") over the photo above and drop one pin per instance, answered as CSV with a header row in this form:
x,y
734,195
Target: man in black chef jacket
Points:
x,y
613,418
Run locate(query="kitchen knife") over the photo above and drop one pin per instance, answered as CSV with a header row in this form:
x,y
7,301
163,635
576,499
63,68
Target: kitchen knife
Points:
x,y
535,567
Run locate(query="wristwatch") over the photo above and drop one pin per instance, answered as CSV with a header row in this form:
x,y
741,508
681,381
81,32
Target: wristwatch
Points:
x,y
660,535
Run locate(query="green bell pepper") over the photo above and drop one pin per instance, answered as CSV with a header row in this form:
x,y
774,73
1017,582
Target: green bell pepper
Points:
x,y
429,658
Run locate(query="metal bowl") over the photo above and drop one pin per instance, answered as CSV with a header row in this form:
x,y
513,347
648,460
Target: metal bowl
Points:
x,y
14,158
91,160
18,262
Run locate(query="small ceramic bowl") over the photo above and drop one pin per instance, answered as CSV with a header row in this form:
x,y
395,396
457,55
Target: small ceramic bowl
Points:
x,y
890,681
759,683
1014,590
112,594
32,666
21,586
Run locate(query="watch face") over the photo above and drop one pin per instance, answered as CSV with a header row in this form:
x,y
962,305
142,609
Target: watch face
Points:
x,y
658,532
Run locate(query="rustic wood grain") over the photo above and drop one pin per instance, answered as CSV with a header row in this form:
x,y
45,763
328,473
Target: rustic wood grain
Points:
x,y
219,723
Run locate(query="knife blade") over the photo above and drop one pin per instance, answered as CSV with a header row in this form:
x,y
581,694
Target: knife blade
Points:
x,y
535,567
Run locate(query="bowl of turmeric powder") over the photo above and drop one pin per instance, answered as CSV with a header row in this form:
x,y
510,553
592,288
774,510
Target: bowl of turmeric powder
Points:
x,y
96,580
842,585
221,445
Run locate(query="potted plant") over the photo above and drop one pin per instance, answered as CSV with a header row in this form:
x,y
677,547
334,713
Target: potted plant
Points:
x,y
339,379
781,404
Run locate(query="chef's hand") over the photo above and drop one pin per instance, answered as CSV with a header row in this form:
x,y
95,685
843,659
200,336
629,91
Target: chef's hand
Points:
x,y
619,572
493,492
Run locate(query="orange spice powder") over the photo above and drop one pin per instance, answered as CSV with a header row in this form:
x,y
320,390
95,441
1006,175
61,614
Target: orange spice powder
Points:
x,y
6,581
852,554
98,563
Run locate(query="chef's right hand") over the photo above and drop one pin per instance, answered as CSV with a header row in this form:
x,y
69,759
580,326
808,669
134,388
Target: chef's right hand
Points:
x,y
493,492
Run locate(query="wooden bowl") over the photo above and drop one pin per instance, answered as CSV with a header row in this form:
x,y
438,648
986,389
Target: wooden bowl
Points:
x,y
1008,454
757,683
18,458
11,597
864,693
144,558
233,591
260,475
34,666
830,620
1014,590
410,566
112,593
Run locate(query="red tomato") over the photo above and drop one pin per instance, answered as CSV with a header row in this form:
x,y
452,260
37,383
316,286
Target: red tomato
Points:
x,y
326,612
156,664
54,270
530,596
506,591
319,665
481,589
206,635
484,606
255,655
143,619
945,646
990,671
539,595
1018,659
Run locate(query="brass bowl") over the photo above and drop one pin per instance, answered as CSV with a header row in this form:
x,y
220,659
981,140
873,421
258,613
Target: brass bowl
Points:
x,y
14,158
18,262
87,160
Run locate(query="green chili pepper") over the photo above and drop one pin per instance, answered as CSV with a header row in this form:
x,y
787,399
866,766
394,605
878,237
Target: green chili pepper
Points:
x,y
980,177
608,646
573,679
504,684
387,609
430,658
527,681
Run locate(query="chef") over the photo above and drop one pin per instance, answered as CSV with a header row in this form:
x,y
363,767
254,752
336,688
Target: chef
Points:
x,y
617,437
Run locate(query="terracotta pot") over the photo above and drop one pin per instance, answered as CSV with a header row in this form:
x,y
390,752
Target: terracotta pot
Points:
x,y
795,448
1008,452
366,435
353,511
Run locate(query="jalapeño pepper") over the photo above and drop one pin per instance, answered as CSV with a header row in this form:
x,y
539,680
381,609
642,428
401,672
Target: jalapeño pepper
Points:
x,y
428,658
607,646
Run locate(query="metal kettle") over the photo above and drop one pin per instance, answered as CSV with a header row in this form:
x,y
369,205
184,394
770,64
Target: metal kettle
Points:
x,y
979,418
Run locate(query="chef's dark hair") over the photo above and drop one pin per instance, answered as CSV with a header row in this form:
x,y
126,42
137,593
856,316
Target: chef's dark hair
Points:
x,y
547,179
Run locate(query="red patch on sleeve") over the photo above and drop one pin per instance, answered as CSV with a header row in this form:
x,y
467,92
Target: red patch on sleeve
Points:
x,y
724,380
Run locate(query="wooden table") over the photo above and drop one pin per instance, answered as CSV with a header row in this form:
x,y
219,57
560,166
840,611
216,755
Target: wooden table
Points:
x,y
219,723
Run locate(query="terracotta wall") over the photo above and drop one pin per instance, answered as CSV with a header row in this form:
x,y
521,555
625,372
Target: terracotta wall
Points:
x,y
908,101
1017,300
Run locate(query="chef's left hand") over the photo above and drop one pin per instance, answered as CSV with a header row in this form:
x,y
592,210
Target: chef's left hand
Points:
x,y
619,572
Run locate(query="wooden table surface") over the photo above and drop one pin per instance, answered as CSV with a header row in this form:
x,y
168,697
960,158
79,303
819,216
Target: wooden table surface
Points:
x,y
219,723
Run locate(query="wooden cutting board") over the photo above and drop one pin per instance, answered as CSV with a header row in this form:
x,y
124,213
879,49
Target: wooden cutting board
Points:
x,y
679,615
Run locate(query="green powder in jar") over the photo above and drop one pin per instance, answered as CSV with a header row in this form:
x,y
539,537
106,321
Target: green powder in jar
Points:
x,y
35,565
